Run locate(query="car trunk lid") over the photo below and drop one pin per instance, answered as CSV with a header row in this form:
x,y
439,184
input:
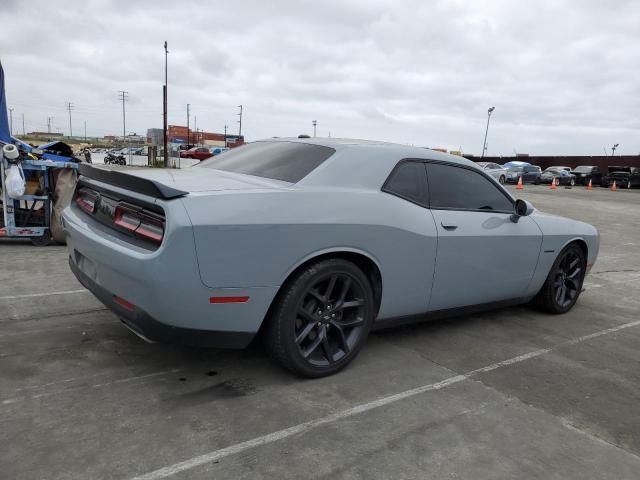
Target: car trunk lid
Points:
x,y
174,183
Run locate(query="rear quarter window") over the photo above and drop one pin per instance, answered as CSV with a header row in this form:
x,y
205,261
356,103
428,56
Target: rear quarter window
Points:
x,y
285,161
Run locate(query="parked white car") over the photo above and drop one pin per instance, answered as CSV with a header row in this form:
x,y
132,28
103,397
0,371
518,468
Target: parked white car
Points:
x,y
495,170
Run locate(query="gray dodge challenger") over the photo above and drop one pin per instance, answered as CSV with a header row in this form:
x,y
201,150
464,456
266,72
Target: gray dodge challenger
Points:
x,y
311,243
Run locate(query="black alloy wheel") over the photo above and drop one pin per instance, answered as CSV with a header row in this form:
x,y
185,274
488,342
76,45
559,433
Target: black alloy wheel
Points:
x,y
330,319
322,319
564,282
502,179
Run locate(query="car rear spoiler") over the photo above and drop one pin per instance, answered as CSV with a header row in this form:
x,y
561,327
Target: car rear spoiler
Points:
x,y
131,182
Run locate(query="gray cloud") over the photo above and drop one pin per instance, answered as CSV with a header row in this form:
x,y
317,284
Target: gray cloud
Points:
x,y
562,74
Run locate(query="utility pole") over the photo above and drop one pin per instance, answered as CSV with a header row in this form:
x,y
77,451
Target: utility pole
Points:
x,y
11,121
240,122
314,123
484,145
164,108
225,136
123,95
49,120
85,130
188,123
23,132
195,127
70,107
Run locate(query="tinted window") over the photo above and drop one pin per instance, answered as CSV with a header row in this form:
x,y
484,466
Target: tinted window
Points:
x,y
286,161
408,180
462,188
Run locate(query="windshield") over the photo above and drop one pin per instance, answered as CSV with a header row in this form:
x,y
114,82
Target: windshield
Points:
x,y
552,170
583,169
516,169
286,161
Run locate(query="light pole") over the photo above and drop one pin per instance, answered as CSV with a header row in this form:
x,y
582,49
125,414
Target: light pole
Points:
x,y
314,123
164,109
225,136
11,121
484,145
613,149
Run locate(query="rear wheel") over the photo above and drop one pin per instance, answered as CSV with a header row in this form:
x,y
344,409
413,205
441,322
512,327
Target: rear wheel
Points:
x,y
502,179
572,182
321,319
562,288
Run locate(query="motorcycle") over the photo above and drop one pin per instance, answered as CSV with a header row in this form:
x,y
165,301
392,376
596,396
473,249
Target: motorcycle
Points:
x,y
87,155
111,159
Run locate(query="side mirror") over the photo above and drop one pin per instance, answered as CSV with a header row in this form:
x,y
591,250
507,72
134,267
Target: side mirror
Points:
x,y
522,209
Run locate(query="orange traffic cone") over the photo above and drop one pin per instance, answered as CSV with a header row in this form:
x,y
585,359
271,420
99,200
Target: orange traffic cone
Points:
x,y
519,186
553,184
589,187
613,186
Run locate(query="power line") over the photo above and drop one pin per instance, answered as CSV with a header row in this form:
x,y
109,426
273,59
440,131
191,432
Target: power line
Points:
x,y
70,107
123,95
188,123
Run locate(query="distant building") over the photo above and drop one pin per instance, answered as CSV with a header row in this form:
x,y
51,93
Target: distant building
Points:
x,y
45,134
182,134
155,136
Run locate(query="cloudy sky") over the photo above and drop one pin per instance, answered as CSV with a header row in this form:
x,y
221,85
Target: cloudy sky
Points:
x,y
564,76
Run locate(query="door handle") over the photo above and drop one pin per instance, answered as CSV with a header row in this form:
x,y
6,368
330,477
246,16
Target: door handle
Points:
x,y
448,225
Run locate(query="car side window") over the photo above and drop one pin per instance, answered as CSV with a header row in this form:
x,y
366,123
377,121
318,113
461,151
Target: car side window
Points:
x,y
408,180
453,187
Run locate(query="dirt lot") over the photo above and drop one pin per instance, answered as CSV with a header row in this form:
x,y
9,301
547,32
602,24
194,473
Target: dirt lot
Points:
x,y
506,394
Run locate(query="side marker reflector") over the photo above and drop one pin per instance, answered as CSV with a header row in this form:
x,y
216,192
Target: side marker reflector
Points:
x,y
124,303
228,299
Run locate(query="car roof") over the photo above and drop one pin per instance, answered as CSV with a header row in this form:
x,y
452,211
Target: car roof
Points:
x,y
408,151
364,163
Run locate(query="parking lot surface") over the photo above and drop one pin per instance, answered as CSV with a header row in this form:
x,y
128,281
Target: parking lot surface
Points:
x,y
507,394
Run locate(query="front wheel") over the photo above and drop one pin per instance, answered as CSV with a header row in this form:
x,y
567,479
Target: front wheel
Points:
x,y
563,285
502,179
572,182
321,319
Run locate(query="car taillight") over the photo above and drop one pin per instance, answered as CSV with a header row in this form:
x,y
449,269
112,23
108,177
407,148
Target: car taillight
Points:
x,y
139,223
86,201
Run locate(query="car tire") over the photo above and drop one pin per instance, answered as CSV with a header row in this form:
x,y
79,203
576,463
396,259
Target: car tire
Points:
x,y
572,182
308,331
536,181
629,185
502,179
43,240
563,285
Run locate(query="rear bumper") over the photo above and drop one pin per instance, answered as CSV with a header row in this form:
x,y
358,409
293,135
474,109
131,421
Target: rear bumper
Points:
x,y
171,302
150,329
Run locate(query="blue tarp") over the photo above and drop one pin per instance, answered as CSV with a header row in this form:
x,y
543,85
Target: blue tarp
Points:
x,y
5,132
